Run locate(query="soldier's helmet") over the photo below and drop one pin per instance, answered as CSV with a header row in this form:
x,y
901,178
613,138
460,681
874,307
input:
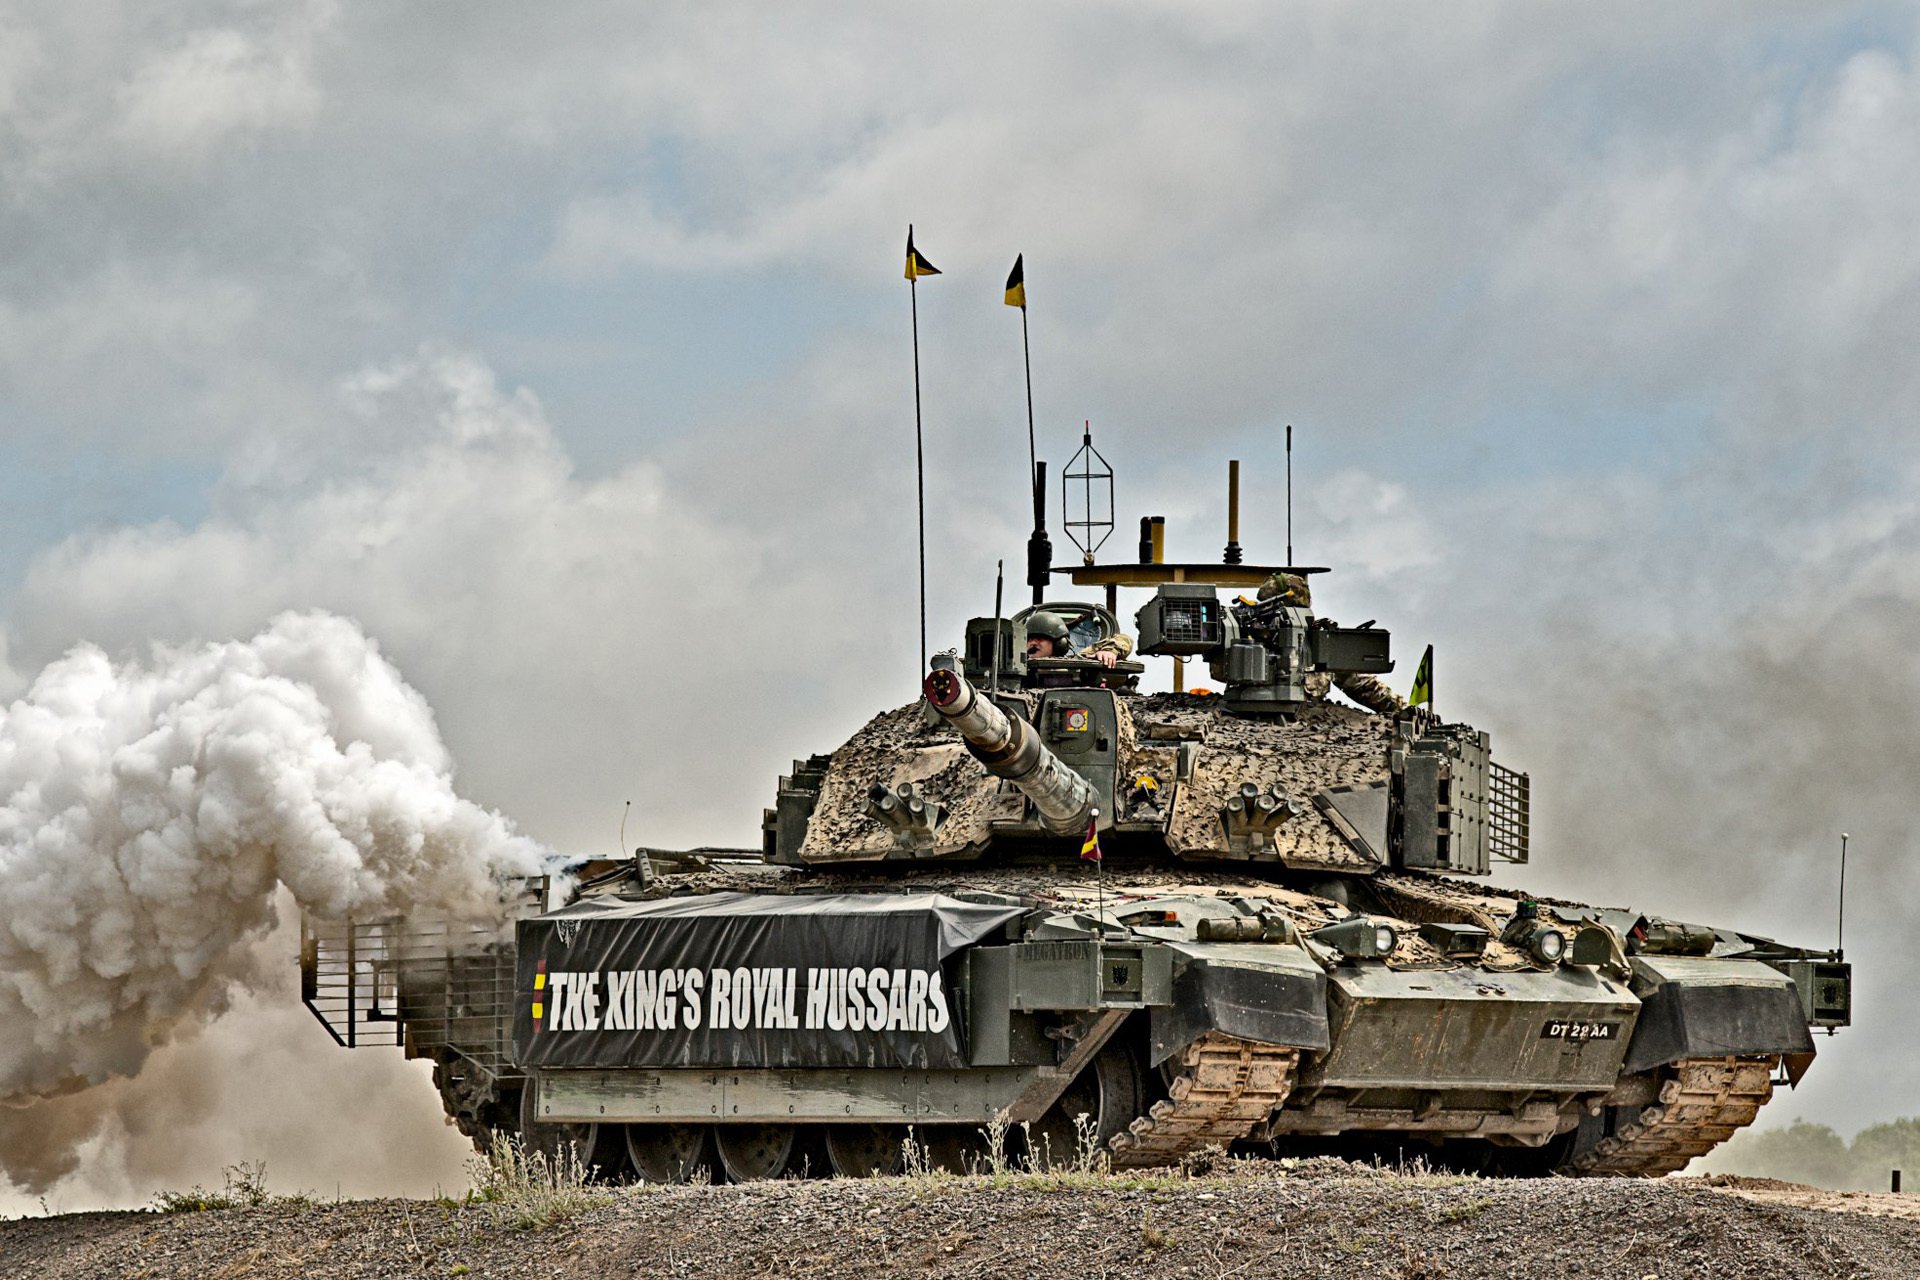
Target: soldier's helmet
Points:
x,y
1290,588
1053,627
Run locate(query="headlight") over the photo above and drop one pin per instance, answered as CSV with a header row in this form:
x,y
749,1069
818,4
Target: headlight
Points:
x,y
1358,938
1547,945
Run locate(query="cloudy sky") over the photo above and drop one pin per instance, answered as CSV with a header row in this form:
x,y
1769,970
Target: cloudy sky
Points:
x,y
566,350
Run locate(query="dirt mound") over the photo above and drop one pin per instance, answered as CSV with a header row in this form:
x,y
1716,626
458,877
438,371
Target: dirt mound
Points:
x,y
1318,1218
1774,1191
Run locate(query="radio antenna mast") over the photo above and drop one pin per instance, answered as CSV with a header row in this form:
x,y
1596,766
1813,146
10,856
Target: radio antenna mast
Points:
x,y
1840,938
999,583
1289,495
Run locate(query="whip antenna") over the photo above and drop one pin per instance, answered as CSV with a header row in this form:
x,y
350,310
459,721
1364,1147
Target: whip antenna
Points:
x,y
999,583
1840,938
1289,495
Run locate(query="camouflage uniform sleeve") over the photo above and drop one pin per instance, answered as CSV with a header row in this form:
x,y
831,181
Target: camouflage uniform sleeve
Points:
x,y
1369,693
1119,644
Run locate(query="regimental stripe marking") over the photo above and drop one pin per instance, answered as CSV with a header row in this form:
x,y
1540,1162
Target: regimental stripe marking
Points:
x,y
539,985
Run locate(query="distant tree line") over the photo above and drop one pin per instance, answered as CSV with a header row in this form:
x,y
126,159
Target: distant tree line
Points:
x,y
1820,1157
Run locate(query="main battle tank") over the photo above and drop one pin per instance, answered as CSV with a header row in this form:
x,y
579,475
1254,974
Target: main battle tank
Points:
x,y
1038,902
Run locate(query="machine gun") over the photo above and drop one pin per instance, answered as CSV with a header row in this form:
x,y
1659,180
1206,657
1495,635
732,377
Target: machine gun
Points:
x,y
1261,650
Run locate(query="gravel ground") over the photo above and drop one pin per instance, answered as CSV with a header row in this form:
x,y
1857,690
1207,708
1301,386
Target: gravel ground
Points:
x,y
1320,1218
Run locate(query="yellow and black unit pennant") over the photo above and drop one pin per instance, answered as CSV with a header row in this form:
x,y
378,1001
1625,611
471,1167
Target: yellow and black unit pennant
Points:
x,y
1017,283
917,265
1422,691
1090,847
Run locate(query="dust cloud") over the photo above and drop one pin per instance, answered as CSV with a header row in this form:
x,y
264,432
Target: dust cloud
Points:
x,y
157,819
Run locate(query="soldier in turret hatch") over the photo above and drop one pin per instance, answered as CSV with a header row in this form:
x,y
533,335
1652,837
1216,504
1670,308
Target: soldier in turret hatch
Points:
x,y
1048,637
1292,589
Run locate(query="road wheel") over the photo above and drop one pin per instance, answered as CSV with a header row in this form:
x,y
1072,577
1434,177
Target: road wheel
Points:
x,y
956,1148
1109,1093
600,1147
865,1150
751,1152
669,1153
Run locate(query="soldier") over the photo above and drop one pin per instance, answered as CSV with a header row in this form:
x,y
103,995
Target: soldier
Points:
x,y
1047,637
1292,589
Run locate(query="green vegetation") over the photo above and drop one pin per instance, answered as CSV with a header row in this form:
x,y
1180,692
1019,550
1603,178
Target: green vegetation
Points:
x,y
243,1186
1816,1155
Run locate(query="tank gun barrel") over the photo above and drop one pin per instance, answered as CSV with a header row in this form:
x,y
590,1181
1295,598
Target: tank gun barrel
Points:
x,y
1010,748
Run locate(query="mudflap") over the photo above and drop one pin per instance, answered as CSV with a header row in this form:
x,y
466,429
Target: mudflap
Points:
x,y
1704,1008
1255,991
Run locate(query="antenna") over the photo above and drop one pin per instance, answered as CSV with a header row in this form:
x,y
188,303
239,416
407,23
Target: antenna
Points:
x,y
1289,495
1039,546
1093,473
623,827
1840,939
999,581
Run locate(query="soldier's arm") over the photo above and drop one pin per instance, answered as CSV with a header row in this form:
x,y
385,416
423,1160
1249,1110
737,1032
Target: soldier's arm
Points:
x,y
1370,693
1115,648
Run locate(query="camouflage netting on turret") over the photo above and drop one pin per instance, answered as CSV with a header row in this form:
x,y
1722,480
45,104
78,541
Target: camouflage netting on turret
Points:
x,y
1325,746
902,745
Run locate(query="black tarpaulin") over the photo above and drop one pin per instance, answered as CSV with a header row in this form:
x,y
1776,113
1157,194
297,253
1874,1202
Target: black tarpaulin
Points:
x,y
746,980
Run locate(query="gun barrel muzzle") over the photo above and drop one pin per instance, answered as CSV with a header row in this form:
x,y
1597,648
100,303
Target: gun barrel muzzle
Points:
x,y
1010,748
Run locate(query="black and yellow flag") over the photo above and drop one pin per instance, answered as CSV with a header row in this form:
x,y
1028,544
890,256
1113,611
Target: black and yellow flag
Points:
x,y
917,265
1090,847
1017,283
1422,691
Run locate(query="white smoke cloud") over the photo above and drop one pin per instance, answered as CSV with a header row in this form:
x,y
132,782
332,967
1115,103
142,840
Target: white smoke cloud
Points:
x,y
586,621
150,810
262,1082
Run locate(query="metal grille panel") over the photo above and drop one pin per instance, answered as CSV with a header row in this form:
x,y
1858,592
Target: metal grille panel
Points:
x,y
1184,621
1509,813
424,984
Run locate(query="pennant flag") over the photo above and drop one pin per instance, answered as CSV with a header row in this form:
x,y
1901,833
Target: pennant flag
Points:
x,y
917,265
1090,847
1423,682
1017,283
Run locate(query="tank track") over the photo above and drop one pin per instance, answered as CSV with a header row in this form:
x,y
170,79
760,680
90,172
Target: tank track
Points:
x,y
1701,1102
1225,1088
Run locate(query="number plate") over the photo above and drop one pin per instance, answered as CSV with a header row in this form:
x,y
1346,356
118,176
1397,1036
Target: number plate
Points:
x,y
1580,1031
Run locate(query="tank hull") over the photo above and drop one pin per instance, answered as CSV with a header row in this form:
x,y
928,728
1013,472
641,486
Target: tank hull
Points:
x,y
1274,1044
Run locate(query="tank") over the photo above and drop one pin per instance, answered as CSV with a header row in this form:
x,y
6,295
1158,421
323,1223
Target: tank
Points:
x,y
1037,914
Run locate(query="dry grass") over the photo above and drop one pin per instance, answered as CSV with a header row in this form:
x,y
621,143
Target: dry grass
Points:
x,y
529,1189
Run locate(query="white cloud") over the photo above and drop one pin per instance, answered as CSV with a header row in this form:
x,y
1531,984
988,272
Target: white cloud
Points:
x,y
584,629
195,96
